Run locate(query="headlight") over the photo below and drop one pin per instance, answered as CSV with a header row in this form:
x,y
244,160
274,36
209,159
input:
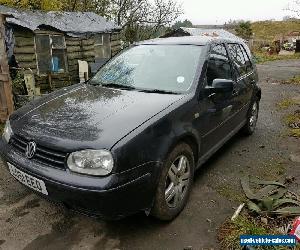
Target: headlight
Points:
x,y
91,162
7,131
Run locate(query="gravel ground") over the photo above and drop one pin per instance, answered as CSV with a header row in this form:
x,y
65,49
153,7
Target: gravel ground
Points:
x,y
29,222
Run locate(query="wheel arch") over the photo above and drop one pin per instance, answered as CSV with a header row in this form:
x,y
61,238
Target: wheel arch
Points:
x,y
258,94
191,140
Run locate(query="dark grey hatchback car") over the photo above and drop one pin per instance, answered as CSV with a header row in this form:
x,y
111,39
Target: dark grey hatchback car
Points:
x,y
131,138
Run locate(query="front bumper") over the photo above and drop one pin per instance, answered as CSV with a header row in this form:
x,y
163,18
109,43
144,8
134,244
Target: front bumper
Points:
x,y
110,197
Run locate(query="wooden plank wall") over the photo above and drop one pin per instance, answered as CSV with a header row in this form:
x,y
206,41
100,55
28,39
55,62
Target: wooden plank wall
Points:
x,y
115,43
6,97
24,49
79,49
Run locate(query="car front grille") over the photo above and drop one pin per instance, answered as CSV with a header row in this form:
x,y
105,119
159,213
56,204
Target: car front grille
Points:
x,y
43,155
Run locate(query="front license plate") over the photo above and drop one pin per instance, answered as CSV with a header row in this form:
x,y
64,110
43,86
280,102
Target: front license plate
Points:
x,y
28,180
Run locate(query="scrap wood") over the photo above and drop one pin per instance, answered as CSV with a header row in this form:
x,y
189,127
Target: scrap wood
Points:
x,y
237,212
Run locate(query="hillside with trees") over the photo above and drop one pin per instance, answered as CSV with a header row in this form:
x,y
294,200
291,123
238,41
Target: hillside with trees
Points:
x,y
267,30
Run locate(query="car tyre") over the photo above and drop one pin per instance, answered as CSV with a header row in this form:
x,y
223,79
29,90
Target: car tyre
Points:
x,y
252,117
175,183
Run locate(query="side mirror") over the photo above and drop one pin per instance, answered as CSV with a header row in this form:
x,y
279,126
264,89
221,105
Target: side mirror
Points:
x,y
222,85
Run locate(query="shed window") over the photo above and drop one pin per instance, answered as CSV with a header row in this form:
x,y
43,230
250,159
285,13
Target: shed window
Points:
x,y
51,53
102,46
98,40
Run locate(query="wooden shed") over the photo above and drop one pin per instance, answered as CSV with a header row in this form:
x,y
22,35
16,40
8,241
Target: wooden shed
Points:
x,y
49,44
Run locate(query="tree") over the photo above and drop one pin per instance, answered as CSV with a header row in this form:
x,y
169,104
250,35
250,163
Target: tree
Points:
x,y
35,4
186,23
294,7
143,18
244,30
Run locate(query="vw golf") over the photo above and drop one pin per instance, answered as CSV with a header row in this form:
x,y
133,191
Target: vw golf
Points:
x,y
131,138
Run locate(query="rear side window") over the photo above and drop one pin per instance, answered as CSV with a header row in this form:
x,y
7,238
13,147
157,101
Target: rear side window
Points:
x,y
249,66
218,64
239,61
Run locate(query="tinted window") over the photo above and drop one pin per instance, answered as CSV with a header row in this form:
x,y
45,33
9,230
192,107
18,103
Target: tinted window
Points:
x,y
148,67
239,61
218,64
249,67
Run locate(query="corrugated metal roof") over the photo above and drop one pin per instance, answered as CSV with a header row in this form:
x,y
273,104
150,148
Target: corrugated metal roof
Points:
x,y
212,33
72,23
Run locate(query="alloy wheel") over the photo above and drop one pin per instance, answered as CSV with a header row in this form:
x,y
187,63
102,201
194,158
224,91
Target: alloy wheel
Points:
x,y
177,181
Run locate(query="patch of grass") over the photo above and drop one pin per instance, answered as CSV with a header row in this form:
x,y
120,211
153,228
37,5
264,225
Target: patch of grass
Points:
x,y
271,171
264,57
293,122
294,80
295,132
293,119
231,193
286,103
230,232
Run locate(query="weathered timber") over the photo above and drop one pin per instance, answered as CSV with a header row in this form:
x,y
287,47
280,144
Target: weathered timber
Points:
x,y
24,50
32,65
6,96
73,42
74,55
21,41
71,49
87,42
115,43
25,58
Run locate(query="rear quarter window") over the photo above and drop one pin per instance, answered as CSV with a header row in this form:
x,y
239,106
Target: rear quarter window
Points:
x,y
240,59
249,66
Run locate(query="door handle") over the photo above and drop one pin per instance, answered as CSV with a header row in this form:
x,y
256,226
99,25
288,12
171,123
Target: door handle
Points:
x,y
211,95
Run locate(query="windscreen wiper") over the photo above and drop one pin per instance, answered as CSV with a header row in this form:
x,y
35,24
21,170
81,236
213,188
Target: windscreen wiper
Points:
x,y
118,86
159,91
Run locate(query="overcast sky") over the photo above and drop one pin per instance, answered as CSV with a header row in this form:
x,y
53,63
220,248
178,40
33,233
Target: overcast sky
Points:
x,y
220,11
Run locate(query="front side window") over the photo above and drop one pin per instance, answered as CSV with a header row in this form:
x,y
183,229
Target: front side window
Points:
x,y
153,67
239,61
51,53
218,64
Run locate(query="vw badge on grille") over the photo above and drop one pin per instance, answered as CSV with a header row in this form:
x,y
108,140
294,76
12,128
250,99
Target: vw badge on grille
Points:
x,y
30,149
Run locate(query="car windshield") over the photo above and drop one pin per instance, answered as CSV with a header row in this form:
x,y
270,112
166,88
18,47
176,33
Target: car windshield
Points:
x,y
169,68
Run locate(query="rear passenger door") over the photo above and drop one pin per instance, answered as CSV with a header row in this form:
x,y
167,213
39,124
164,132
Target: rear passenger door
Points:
x,y
244,77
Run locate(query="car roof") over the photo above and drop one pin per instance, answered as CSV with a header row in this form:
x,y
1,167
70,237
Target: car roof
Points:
x,y
188,40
